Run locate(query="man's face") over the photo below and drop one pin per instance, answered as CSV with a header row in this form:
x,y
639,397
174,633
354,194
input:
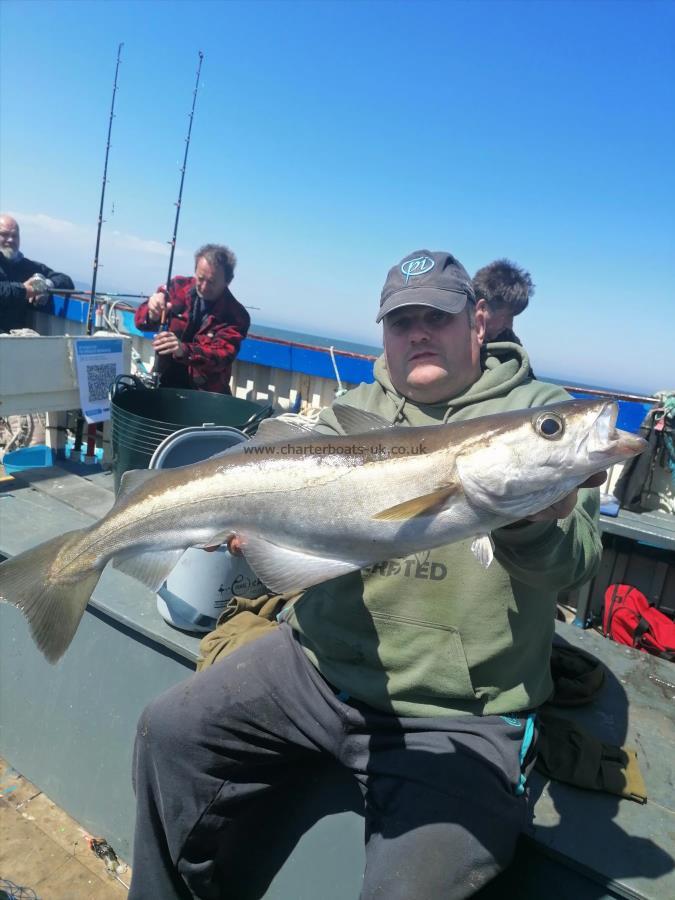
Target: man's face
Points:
x,y
433,355
498,317
211,282
10,238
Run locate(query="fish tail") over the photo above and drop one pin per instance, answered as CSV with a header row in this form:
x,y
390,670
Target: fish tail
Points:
x,y
52,603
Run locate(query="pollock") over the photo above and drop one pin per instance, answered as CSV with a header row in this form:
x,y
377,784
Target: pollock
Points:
x,y
307,507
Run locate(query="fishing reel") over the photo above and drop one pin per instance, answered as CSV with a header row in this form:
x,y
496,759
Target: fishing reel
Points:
x,y
43,287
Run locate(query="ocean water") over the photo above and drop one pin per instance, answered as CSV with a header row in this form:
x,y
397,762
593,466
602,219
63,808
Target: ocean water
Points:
x,y
375,350
316,340
631,413
372,350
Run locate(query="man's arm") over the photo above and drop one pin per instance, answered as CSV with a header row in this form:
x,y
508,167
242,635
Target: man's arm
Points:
x,y
554,554
58,279
14,296
13,293
148,316
207,353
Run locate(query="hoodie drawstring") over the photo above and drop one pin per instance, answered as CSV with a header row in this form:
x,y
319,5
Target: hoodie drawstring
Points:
x,y
398,414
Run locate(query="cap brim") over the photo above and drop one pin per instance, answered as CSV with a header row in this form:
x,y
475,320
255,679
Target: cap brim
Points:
x,y
447,301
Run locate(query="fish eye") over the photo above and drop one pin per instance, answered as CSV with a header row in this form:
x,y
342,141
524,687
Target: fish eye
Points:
x,y
550,426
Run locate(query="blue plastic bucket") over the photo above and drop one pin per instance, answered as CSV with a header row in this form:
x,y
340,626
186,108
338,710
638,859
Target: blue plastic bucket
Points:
x,y
36,457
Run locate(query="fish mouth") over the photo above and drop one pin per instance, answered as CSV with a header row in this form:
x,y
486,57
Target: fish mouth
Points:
x,y
605,442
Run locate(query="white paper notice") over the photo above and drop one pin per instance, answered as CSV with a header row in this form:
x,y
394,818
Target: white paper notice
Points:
x,y
99,361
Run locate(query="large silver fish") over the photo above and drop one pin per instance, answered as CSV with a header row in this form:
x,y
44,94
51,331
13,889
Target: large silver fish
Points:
x,y
308,507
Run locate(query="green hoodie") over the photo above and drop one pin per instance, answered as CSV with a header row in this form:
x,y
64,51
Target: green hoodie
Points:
x,y
435,634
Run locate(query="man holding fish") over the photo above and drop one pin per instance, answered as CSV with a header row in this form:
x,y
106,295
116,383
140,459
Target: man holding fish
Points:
x,y
412,663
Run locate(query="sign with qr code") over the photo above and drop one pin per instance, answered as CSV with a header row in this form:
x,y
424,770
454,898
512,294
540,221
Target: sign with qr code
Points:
x,y
98,361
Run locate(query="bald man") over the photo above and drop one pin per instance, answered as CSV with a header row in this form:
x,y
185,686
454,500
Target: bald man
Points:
x,y
18,289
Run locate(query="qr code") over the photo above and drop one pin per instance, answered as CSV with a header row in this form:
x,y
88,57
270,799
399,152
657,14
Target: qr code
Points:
x,y
99,379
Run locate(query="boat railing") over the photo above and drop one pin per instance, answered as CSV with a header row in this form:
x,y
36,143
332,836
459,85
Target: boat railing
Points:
x,y
328,362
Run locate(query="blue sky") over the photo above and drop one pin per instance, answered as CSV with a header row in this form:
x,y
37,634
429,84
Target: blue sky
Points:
x,y
331,139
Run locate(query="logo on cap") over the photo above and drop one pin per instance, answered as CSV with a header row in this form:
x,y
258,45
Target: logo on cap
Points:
x,y
418,266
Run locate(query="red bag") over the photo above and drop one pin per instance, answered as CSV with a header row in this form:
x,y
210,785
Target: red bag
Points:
x,y
629,619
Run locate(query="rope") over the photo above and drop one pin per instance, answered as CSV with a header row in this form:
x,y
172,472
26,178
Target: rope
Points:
x,y
307,420
340,388
136,358
14,892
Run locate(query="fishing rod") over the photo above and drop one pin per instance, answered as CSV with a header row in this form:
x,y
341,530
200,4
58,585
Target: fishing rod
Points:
x,y
164,324
90,311
109,295
91,429
85,293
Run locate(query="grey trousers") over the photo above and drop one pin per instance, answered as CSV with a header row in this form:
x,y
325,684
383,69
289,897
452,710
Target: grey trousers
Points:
x,y
441,795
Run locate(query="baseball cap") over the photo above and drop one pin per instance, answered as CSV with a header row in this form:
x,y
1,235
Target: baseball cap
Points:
x,y
426,278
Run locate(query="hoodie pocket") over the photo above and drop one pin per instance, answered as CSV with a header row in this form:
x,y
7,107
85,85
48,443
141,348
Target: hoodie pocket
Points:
x,y
423,660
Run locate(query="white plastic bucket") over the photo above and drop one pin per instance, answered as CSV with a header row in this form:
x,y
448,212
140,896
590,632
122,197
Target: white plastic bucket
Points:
x,y
202,583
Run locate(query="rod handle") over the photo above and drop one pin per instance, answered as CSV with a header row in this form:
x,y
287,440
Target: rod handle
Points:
x,y
165,317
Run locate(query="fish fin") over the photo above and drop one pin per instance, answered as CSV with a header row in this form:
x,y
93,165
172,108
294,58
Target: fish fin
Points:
x,y
356,421
284,570
151,568
418,506
235,448
483,549
52,606
135,478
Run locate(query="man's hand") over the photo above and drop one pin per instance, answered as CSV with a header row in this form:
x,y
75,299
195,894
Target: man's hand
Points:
x,y
564,507
157,304
234,545
38,289
167,344
32,290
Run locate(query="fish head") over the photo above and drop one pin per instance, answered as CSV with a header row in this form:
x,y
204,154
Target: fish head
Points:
x,y
529,459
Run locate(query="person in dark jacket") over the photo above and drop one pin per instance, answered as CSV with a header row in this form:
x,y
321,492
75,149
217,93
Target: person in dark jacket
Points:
x,y
19,288
507,290
199,324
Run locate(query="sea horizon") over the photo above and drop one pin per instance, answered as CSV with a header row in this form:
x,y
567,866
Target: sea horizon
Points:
x,y
373,350
367,349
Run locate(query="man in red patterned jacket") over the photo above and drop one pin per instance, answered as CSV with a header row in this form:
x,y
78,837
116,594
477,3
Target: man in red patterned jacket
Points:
x,y
202,324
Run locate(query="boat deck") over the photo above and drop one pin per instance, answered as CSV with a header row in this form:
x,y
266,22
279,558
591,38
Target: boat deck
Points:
x,y
69,729
45,851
